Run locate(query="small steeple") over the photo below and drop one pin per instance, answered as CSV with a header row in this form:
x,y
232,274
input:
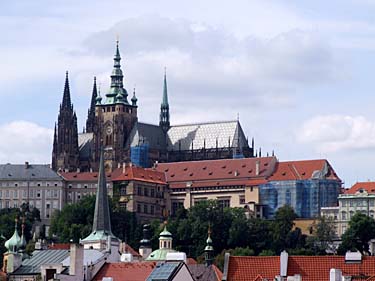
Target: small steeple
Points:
x,y
145,244
134,98
209,249
91,112
66,103
165,238
164,108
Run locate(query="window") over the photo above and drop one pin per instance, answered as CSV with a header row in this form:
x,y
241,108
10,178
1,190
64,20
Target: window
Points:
x,y
371,202
7,194
139,191
351,203
123,191
152,192
224,203
139,208
152,210
343,215
15,194
145,208
176,205
145,192
242,199
38,194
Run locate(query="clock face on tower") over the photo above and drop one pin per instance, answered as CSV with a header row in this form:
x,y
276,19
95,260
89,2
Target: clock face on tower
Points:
x,y
109,129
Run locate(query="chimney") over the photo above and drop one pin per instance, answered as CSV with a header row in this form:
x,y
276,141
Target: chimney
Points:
x,y
90,170
123,168
335,274
76,261
118,165
78,170
283,264
27,165
257,168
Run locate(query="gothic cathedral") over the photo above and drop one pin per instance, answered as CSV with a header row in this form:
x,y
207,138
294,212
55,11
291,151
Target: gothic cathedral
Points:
x,y
112,124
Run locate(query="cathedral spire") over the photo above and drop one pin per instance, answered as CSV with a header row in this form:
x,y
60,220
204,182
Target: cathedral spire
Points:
x,y
102,220
91,112
65,146
164,108
66,103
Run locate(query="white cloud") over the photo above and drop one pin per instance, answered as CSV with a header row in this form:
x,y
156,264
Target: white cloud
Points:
x,y
332,133
22,141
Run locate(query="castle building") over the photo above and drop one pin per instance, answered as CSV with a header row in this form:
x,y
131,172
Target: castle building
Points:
x,y
112,122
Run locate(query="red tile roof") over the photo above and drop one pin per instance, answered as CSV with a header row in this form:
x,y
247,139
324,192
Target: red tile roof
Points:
x,y
124,271
249,268
130,173
126,248
209,172
138,174
369,187
81,176
311,268
301,170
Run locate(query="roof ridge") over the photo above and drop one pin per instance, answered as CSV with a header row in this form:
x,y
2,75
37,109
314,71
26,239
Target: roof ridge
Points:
x,y
204,123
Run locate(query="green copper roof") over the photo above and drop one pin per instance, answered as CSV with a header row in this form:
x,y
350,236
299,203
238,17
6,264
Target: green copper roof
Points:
x,y
15,242
165,233
117,93
160,254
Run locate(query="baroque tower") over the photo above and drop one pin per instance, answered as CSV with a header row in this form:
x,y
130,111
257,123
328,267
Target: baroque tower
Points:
x,y
164,108
65,154
114,119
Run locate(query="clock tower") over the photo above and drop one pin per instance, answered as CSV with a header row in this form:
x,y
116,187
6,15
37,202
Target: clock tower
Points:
x,y
114,119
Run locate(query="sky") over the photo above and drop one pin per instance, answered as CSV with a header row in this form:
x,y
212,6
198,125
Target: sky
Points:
x,y
298,74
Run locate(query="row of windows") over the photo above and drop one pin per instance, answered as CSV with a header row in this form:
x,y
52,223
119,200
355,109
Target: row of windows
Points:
x,y
345,215
358,203
146,209
113,109
213,188
147,192
92,185
15,194
29,183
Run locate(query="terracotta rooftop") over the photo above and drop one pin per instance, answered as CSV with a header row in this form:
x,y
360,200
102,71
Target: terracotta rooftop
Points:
x,y
126,248
139,174
130,173
369,187
237,171
124,271
311,268
303,170
81,176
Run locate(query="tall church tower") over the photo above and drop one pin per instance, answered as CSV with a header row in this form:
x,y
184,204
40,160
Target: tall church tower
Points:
x,y
91,112
114,119
164,108
65,144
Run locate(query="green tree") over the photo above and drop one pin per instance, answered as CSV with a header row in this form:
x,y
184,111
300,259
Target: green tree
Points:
x,y
323,236
74,221
281,226
361,230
